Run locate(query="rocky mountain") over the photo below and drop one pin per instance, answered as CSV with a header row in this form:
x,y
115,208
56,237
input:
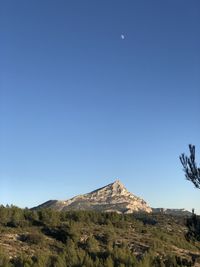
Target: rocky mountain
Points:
x,y
112,197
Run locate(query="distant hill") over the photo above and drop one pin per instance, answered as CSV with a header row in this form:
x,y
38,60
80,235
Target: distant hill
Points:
x,y
178,212
112,197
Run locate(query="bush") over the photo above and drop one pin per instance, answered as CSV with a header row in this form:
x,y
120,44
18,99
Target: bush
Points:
x,y
33,238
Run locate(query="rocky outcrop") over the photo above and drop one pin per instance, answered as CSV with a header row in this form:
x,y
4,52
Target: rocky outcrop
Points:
x,y
113,197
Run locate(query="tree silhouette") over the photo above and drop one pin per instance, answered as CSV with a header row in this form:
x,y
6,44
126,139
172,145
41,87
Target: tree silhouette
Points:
x,y
192,172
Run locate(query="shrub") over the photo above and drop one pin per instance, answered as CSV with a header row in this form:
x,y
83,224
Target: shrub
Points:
x,y
33,238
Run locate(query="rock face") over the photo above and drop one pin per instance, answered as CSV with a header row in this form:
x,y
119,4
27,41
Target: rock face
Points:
x,y
113,197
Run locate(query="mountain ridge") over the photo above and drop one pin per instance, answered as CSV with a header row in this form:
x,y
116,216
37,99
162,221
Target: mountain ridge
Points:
x,y
112,197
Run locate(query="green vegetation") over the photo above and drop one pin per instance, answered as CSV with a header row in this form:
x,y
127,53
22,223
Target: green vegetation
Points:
x,y
50,238
192,172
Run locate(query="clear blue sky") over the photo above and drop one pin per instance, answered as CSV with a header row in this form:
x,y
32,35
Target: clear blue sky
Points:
x,y
80,106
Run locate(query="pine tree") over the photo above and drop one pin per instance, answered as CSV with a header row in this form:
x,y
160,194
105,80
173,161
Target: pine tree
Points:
x,y
192,172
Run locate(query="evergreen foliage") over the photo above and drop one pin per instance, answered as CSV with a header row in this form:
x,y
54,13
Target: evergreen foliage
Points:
x,y
192,172
94,239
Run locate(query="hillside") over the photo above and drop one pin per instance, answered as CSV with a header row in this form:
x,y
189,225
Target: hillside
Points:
x,y
94,239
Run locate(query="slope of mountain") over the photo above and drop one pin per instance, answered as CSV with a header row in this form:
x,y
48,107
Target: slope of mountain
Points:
x,y
113,197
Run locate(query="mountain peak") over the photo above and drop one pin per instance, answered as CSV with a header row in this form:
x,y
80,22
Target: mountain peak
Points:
x,y
118,182
117,187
